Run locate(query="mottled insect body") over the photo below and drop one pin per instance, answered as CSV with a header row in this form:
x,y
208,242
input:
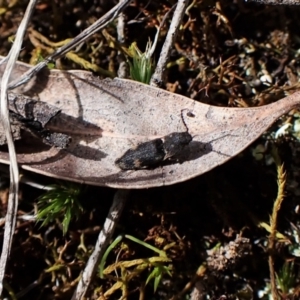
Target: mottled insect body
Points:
x,y
154,152
175,142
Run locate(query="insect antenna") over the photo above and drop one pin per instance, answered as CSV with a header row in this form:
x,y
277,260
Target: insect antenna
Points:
x,y
189,114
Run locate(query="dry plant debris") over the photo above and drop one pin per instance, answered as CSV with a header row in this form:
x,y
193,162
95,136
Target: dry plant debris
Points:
x,y
108,116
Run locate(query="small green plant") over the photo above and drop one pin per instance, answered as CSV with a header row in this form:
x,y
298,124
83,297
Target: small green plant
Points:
x,y
131,269
285,278
61,202
142,65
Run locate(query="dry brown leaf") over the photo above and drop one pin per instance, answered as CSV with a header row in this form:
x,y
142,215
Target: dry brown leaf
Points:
x,y
107,117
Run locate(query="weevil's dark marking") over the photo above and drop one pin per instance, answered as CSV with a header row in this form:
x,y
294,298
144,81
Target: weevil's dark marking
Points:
x,y
142,156
153,153
175,142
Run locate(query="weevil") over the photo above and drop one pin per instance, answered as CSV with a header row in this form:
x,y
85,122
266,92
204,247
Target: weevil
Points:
x,y
153,153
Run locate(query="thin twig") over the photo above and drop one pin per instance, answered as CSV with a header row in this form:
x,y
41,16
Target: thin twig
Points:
x,y
103,240
114,213
157,77
150,53
10,219
83,36
25,178
281,180
122,70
